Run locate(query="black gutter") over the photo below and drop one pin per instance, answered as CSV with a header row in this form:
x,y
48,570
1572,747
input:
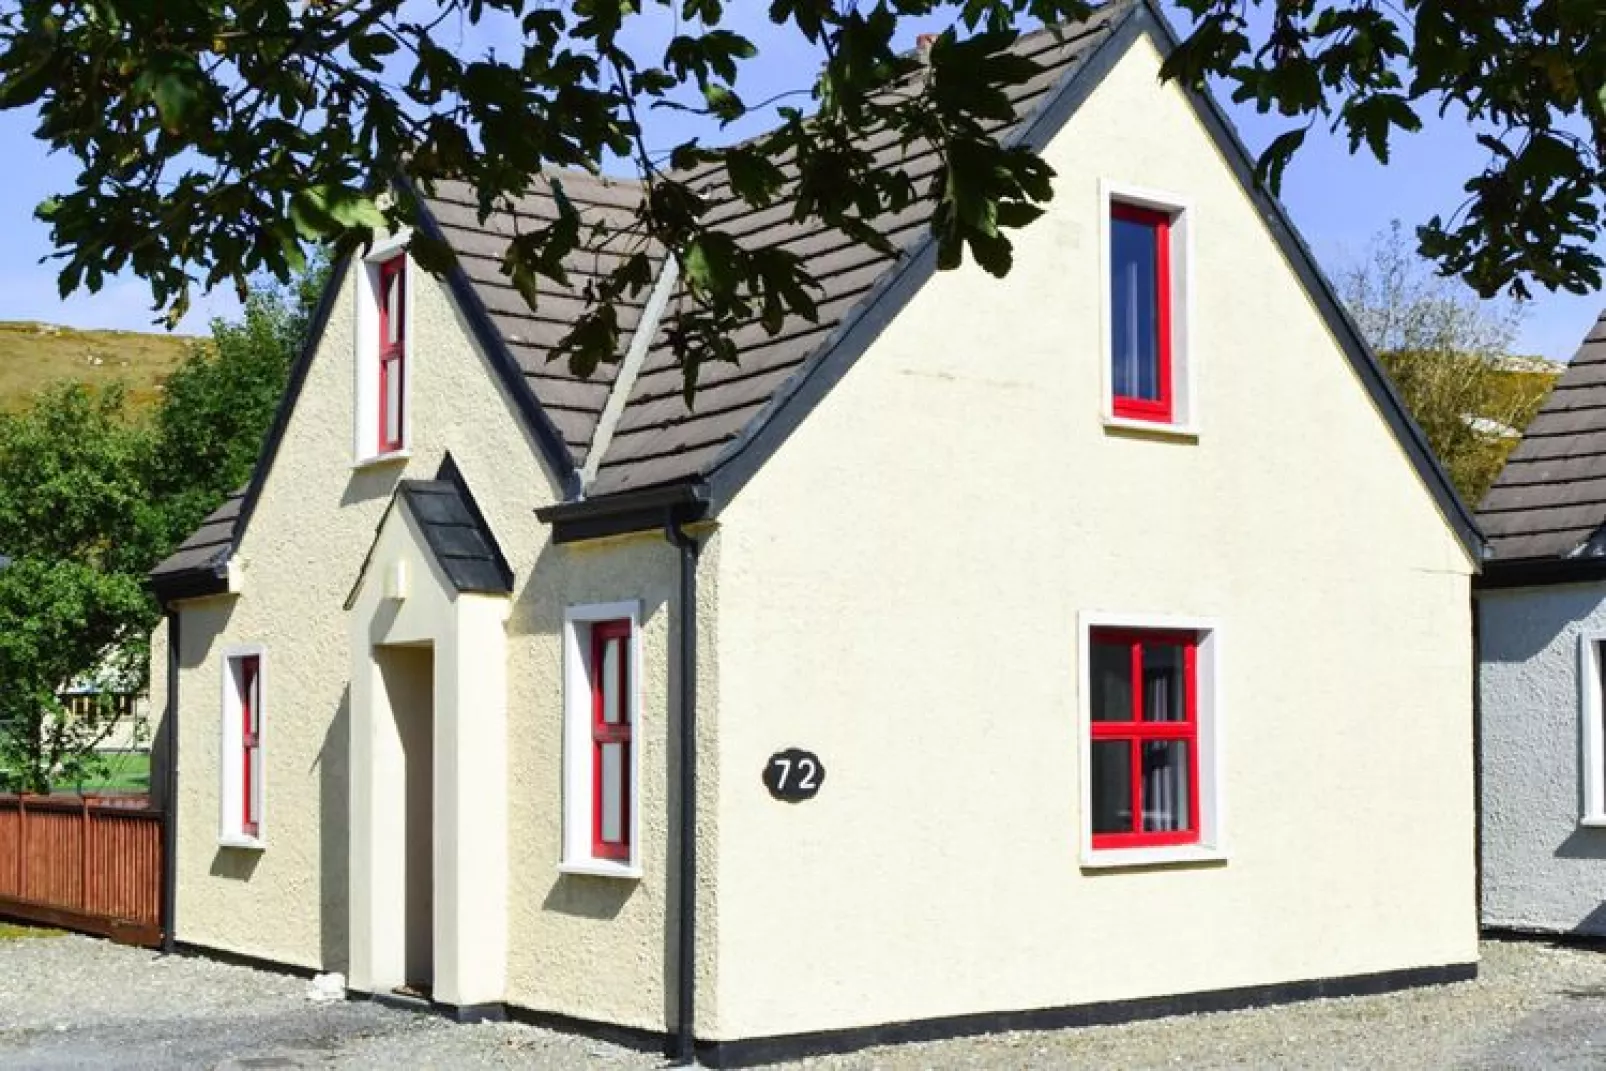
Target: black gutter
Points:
x,y
1537,572
686,930
625,512
170,791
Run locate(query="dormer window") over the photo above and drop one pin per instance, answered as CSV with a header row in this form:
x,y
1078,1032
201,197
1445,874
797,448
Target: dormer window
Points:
x,y
392,353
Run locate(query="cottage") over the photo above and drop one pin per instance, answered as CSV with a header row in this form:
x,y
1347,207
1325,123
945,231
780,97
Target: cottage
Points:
x,y
1541,652
1084,644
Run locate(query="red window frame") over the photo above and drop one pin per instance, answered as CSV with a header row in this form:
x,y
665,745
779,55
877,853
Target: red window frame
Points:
x,y
604,732
250,685
392,354
1159,410
1137,732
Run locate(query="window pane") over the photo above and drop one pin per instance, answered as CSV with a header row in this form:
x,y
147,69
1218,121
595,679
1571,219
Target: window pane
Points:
x,y
612,708
1112,681
1165,786
613,793
1134,315
393,310
1112,786
393,392
1164,689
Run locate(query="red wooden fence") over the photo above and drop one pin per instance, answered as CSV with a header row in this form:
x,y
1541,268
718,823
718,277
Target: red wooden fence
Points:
x,y
83,864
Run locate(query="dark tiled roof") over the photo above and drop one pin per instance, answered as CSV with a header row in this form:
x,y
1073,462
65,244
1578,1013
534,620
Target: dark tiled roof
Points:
x,y
456,533
207,549
607,211
659,439
1551,497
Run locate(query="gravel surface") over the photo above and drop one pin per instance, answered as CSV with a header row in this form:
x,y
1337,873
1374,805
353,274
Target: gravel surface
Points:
x,y
71,1002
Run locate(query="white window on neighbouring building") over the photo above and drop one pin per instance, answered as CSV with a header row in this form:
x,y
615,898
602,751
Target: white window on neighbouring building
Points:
x,y
602,703
1592,694
241,792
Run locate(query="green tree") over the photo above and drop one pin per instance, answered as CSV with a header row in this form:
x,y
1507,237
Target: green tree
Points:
x,y
93,495
1449,356
214,140
79,529
217,405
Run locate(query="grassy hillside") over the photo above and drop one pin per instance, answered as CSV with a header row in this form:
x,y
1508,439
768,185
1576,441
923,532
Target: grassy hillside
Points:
x,y
34,354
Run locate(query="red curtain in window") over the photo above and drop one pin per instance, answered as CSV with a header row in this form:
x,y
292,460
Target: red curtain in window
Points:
x,y
611,723
250,685
392,352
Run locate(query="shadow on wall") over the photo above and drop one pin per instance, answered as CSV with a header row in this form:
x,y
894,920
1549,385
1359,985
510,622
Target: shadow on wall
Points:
x,y
1592,924
1586,843
1537,622
334,838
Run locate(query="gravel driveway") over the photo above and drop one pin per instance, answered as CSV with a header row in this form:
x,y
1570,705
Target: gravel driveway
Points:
x,y
70,1002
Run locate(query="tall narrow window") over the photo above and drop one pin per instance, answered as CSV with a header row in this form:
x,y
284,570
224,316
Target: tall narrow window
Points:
x,y
392,353
248,671
1140,313
241,802
1145,738
611,719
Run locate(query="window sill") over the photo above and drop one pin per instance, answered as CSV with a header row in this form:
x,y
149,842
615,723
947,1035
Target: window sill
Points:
x,y
1117,425
242,843
1182,855
1592,821
601,868
391,458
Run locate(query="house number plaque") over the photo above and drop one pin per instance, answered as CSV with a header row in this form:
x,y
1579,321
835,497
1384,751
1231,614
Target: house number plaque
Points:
x,y
794,775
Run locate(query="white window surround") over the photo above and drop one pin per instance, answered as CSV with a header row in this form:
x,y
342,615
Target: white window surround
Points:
x,y
578,857
1184,422
1212,845
230,831
365,423
1592,762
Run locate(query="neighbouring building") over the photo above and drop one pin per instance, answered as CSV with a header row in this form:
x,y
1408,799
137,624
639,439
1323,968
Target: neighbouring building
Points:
x,y
1541,651
1093,642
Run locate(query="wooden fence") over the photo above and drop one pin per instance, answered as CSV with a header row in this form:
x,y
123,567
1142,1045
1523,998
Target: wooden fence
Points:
x,y
82,864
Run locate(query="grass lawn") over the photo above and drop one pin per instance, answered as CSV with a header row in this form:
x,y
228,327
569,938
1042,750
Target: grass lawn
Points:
x,y
127,771
10,932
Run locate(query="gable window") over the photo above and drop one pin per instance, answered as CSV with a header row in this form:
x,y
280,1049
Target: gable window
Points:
x,y
1146,258
1592,690
383,357
602,712
1149,771
392,351
1140,312
241,797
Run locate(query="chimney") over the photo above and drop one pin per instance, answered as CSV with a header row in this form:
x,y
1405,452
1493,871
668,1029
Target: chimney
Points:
x,y
923,45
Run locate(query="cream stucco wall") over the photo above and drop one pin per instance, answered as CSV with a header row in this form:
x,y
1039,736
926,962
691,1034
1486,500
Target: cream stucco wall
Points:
x,y
315,521
900,590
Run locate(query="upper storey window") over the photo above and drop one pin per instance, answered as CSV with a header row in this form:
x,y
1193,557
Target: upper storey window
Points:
x,y
382,414
1142,358
392,351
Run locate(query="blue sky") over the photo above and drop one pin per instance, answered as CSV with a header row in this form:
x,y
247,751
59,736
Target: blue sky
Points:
x,y
1338,201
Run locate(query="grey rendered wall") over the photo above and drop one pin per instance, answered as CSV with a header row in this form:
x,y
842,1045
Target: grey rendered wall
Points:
x,y
1542,870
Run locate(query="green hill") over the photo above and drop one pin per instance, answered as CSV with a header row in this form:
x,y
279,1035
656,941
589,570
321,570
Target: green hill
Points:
x,y
35,354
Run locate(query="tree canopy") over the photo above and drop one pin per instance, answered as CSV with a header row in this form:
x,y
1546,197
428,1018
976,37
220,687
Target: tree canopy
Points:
x,y
92,495
215,139
1450,359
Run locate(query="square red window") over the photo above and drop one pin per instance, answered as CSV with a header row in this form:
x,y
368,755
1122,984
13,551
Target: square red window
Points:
x,y
1144,738
1142,365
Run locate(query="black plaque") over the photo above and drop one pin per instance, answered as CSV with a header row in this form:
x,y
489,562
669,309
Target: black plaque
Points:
x,y
794,775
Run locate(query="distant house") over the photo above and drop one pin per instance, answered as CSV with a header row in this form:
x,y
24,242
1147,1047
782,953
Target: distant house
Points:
x,y
1541,653
1090,643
